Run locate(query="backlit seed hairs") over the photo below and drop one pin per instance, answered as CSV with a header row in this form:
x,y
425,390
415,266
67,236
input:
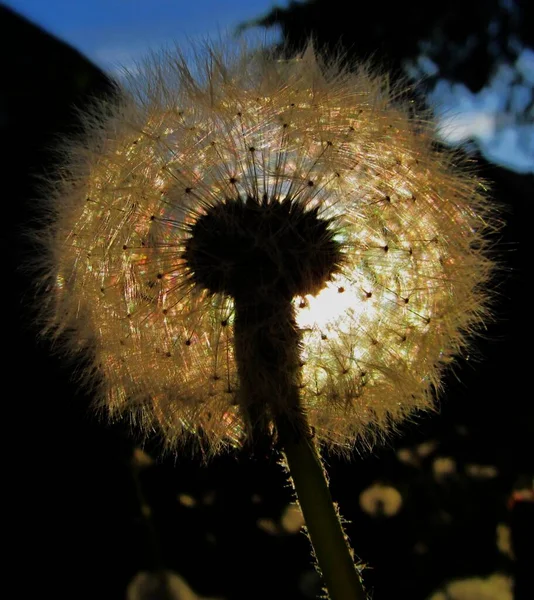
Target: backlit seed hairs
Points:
x,y
234,127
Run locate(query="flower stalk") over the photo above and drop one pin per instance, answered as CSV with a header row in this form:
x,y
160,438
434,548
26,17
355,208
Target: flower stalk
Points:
x,y
267,344
334,556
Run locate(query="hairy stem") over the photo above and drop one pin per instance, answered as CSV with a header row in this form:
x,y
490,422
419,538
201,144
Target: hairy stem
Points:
x,y
328,539
267,345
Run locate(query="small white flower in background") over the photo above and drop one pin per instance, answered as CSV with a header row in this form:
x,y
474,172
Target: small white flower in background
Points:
x,y
504,540
161,585
381,500
426,448
141,460
292,520
414,456
481,471
268,525
443,467
187,500
494,587
408,457
202,170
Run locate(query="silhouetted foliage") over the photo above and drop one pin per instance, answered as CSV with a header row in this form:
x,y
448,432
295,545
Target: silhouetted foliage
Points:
x,y
464,37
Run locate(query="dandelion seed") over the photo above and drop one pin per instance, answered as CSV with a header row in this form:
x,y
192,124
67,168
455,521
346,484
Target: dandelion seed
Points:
x,y
222,184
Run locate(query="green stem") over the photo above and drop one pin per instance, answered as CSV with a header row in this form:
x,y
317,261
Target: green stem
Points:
x,y
267,344
328,539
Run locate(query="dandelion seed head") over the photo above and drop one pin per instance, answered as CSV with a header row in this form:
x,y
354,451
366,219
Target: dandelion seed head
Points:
x,y
381,500
241,174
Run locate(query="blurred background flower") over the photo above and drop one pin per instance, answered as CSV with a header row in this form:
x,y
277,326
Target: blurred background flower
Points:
x,y
494,587
380,500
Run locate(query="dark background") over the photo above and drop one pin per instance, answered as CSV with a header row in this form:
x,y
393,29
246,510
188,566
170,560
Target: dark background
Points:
x,y
73,523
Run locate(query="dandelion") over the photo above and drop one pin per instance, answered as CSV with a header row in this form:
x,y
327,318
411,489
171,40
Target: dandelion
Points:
x,y
208,190
250,246
497,586
165,585
381,500
443,467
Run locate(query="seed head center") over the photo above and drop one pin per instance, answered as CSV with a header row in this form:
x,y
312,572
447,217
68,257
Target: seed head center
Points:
x,y
249,248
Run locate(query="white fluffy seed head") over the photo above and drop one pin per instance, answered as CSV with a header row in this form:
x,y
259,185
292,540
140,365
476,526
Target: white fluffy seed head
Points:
x,y
186,136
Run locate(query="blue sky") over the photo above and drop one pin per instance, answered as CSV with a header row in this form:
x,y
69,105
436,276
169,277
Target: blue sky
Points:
x,y
114,33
